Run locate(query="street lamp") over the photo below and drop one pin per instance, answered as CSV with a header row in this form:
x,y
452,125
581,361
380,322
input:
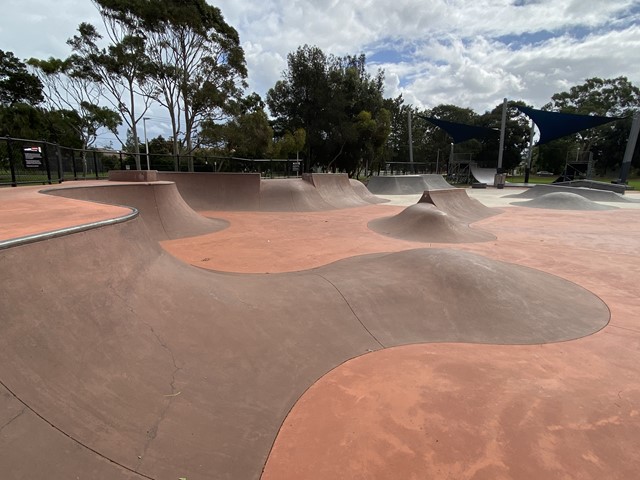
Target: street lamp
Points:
x,y
146,143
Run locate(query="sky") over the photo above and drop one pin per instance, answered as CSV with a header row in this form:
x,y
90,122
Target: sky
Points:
x,y
469,53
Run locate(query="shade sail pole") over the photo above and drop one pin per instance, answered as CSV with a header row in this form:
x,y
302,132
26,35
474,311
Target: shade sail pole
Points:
x,y
631,147
503,126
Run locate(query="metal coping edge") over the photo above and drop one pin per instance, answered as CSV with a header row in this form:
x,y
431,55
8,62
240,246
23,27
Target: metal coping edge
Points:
x,y
38,237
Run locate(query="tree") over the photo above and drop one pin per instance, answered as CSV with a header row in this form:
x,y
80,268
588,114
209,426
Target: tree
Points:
x,y
122,68
195,60
67,87
326,96
17,85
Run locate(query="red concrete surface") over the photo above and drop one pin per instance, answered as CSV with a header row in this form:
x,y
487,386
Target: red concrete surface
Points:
x,y
561,410
23,211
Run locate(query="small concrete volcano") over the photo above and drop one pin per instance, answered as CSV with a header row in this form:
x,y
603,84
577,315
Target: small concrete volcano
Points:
x,y
564,201
423,222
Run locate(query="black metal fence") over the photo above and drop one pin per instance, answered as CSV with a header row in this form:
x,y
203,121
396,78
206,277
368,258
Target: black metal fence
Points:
x,y
24,161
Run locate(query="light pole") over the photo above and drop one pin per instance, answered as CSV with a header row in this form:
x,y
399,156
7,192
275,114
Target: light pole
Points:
x,y
146,143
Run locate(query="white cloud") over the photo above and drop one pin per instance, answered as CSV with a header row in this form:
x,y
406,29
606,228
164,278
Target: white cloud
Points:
x,y
471,53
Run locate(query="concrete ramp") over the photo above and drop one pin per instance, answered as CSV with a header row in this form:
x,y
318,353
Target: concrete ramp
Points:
x,y
564,201
290,195
423,222
217,191
249,192
361,190
612,187
483,175
335,189
396,184
588,193
458,205
164,212
436,182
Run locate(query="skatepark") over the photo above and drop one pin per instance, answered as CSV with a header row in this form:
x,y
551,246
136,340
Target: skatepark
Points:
x,y
224,326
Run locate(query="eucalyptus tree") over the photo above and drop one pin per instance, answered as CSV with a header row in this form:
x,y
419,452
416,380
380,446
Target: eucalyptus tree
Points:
x,y
17,84
68,86
192,56
122,67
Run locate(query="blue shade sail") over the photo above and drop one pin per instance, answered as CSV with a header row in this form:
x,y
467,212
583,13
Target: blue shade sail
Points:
x,y
553,125
461,132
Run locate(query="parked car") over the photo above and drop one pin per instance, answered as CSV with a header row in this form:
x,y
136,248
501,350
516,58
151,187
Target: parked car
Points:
x,y
544,173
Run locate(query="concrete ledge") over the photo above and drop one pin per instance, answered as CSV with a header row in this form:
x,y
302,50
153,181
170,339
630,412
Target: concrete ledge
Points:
x,y
133,175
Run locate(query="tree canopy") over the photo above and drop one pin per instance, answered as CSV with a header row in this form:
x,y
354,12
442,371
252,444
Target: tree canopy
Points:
x,y
338,104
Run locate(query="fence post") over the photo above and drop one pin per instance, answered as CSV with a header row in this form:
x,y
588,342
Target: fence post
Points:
x,y
95,165
12,167
60,166
121,166
73,164
46,162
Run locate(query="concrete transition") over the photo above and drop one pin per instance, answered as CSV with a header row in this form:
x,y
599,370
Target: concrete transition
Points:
x,y
249,192
483,175
456,203
119,361
423,222
163,211
563,201
612,187
588,193
406,184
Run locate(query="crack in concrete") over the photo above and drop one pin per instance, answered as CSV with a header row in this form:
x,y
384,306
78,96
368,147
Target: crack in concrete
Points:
x,y
11,420
153,430
352,310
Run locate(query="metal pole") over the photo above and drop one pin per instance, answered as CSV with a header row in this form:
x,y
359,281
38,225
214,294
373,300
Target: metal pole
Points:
x,y
527,168
146,143
631,146
410,140
503,126
12,167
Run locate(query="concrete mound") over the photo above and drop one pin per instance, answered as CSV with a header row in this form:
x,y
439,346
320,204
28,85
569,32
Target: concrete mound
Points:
x,y
563,201
164,212
145,365
423,222
588,193
456,203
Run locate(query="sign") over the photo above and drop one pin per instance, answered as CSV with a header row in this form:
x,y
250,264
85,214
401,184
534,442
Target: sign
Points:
x,y
32,157
296,166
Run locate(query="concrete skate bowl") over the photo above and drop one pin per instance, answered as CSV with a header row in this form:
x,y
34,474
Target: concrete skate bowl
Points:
x,y
165,214
564,201
249,192
595,195
131,364
456,203
423,222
